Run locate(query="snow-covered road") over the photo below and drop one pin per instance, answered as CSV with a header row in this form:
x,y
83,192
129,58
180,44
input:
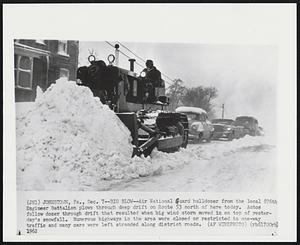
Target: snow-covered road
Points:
x,y
245,165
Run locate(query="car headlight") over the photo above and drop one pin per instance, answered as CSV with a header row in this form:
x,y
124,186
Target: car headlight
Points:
x,y
143,74
195,127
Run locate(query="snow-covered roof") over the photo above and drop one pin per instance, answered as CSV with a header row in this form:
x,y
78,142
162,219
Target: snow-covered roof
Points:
x,y
190,109
251,118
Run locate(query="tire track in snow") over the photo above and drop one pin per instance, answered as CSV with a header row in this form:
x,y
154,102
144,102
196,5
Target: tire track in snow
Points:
x,y
241,165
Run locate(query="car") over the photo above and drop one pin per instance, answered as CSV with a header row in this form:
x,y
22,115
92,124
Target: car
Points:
x,y
225,129
261,131
200,128
250,123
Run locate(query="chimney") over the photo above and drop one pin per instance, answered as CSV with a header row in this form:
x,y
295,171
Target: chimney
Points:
x,y
132,64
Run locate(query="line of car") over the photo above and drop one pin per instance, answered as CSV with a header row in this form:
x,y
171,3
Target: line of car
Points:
x,y
202,129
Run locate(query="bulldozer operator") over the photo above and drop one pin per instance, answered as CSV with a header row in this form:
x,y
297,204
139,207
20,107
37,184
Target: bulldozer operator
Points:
x,y
153,76
152,73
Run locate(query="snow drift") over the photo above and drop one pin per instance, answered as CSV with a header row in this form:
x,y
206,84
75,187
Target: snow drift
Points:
x,y
67,139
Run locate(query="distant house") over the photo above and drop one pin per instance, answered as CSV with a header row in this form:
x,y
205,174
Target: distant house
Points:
x,y
41,62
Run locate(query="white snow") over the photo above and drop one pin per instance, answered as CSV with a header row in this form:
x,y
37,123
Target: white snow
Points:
x,y
68,140
151,117
187,109
244,165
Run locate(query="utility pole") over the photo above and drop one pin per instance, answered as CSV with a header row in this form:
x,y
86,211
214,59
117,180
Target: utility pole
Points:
x,y
223,105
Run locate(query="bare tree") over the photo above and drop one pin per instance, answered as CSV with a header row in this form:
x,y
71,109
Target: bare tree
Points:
x,y
197,96
200,97
175,92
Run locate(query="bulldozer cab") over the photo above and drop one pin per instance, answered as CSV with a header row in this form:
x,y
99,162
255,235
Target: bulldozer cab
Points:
x,y
141,89
123,90
137,92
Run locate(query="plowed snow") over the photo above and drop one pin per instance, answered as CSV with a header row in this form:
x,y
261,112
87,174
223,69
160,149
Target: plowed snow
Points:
x,y
68,140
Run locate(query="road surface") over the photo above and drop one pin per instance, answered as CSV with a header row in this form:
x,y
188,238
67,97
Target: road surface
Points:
x,y
245,165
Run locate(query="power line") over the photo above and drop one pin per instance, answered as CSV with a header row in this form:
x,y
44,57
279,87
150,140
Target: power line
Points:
x,y
119,50
110,44
144,61
137,57
131,52
124,54
168,78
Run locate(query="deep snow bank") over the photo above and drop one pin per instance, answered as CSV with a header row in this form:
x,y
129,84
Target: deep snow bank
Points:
x,y
68,139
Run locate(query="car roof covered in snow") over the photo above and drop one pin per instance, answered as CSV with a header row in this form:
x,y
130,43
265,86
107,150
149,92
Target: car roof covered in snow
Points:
x,y
222,121
190,109
248,118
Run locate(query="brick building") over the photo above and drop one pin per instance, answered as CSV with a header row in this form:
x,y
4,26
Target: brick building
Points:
x,y
40,63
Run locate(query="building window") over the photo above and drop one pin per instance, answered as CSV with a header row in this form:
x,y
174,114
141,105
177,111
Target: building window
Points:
x,y
23,71
62,47
64,73
40,41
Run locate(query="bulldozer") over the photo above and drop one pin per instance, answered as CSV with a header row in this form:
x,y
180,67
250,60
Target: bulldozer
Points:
x,y
139,102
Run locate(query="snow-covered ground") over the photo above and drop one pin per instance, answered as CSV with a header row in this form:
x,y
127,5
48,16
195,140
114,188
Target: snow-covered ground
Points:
x,y
244,165
68,140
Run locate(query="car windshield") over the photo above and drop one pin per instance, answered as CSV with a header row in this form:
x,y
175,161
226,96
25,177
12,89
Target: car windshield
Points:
x,y
195,116
223,121
244,120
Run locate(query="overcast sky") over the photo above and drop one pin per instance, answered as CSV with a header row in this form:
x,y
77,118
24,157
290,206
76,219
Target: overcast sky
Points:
x,y
245,76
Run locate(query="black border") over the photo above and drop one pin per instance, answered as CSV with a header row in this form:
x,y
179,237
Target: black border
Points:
x,y
140,2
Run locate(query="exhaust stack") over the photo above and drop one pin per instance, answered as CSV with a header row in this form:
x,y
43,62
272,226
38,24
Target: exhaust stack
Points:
x,y
117,54
131,64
